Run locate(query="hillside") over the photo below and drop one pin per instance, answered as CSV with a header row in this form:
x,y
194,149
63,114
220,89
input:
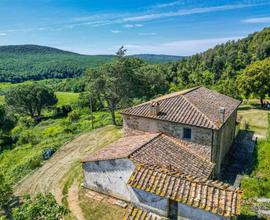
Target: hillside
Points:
x,y
32,62
20,63
157,58
219,67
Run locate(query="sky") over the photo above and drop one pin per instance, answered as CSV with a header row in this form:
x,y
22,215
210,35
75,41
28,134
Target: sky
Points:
x,y
175,27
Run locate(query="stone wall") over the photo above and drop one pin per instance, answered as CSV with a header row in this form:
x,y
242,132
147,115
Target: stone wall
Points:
x,y
135,125
218,141
223,140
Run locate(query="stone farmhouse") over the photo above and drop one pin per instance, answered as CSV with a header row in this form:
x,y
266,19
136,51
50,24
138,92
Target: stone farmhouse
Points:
x,y
171,152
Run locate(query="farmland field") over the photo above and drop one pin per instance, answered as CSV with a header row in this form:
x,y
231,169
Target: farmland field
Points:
x,y
66,98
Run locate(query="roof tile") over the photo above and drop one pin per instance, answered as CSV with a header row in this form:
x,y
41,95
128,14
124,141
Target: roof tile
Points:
x,y
213,196
196,107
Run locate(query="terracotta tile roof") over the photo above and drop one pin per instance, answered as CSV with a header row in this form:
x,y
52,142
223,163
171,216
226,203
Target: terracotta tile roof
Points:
x,y
197,107
213,196
140,214
122,148
165,150
157,149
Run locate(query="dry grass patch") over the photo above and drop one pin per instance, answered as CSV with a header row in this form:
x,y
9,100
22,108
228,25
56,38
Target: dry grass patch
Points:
x,y
256,119
102,210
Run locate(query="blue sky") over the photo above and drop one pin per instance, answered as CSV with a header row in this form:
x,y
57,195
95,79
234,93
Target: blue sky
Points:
x,y
180,27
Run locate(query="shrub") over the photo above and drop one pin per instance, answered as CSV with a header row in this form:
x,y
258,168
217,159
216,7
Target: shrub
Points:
x,y
74,116
42,207
27,136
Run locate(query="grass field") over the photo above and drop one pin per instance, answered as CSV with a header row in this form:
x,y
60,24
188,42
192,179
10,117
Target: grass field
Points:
x,y
66,98
26,154
2,99
257,184
256,118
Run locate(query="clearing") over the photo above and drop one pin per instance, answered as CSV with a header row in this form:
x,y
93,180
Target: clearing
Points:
x,y
257,120
55,175
66,98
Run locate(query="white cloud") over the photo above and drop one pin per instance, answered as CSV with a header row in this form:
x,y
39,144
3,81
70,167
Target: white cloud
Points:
x,y
261,20
182,47
3,34
148,34
178,13
116,31
166,5
132,25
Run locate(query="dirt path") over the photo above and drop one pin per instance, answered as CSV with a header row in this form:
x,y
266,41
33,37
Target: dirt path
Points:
x,y
73,201
48,177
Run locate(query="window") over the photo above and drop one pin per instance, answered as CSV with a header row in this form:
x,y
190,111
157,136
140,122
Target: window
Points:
x,y
187,133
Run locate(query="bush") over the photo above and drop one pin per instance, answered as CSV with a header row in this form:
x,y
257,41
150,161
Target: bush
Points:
x,y
27,136
41,207
34,163
74,116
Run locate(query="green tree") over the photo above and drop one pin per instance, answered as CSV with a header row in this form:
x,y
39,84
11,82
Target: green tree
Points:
x,y
40,207
5,193
255,80
115,83
30,99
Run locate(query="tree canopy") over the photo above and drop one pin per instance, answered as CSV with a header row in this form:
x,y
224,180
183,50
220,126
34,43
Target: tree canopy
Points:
x,y
123,80
30,99
255,79
5,192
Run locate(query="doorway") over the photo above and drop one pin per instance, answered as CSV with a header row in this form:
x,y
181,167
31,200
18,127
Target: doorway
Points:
x,y
173,209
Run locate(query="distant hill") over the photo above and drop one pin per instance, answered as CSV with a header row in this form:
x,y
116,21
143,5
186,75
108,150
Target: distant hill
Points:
x,y
157,58
32,49
19,63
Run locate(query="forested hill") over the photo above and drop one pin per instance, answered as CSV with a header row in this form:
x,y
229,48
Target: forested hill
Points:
x,y
32,62
157,58
31,49
219,67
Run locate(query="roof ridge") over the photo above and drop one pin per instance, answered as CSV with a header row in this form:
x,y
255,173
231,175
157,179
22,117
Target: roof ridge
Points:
x,y
191,90
212,123
166,96
143,145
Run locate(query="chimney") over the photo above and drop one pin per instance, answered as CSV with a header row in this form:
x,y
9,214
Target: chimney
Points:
x,y
222,114
155,108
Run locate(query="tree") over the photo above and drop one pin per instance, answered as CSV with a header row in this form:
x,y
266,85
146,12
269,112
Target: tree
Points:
x,y
255,80
40,207
115,83
30,99
5,193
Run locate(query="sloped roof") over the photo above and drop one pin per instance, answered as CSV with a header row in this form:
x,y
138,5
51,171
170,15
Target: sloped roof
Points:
x,y
157,149
166,150
197,107
135,213
122,148
213,196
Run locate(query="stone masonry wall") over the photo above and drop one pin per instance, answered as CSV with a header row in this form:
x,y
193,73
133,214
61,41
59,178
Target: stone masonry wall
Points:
x,y
223,141
137,125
